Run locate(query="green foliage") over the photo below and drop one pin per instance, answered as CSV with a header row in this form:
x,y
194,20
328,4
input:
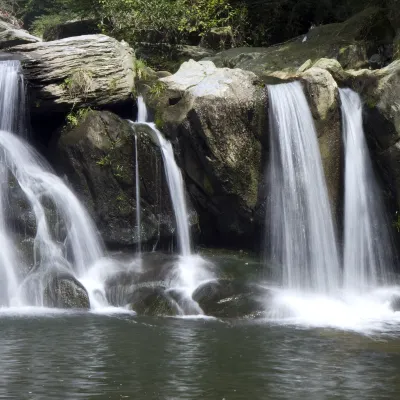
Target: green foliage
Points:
x,y
45,22
104,161
396,222
157,89
79,83
141,69
75,117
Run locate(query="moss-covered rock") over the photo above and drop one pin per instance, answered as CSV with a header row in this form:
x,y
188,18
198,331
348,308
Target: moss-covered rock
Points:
x,y
98,157
350,42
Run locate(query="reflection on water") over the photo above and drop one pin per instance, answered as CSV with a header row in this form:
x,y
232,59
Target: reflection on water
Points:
x,y
84,356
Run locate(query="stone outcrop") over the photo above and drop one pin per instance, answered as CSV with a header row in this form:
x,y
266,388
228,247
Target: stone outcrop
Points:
x,y
210,114
323,98
98,157
352,43
13,36
92,70
380,92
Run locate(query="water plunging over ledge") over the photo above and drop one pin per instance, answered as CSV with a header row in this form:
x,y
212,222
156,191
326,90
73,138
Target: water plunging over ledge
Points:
x,y
302,238
368,246
315,291
191,270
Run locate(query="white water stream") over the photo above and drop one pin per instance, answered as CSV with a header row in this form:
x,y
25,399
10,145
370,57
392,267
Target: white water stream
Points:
x,y
315,291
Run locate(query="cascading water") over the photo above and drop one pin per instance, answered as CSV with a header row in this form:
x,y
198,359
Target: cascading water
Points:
x,y
302,241
12,98
25,174
302,238
174,180
368,246
191,269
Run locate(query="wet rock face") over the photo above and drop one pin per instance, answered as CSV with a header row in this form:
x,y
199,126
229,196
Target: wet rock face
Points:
x,y
98,158
64,291
323,97
91,70
210,115
226,298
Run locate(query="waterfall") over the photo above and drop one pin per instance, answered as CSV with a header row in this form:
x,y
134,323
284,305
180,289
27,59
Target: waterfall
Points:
x,y
174,180
368,246
12,98
301,235
191,270
25,174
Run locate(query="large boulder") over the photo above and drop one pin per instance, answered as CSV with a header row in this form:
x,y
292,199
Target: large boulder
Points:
x,y
226,298
64,291
11,35
211,115
92,70
98,157
352,42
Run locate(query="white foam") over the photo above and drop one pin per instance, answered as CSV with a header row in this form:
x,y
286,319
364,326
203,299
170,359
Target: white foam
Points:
x,y
365,313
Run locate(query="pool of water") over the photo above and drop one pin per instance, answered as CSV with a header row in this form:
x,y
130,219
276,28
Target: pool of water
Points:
x,y
59,355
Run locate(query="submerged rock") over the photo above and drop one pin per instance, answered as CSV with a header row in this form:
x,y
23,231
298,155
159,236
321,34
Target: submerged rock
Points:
x,y
64,291
226,298
152,301
91,70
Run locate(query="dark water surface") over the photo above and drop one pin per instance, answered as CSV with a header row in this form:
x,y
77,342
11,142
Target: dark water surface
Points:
x,y
88,356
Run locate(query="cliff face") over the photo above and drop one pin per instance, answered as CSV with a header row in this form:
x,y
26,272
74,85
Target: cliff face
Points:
x,y
216,118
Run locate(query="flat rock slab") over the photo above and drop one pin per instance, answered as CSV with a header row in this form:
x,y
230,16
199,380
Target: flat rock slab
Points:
x,y
91,70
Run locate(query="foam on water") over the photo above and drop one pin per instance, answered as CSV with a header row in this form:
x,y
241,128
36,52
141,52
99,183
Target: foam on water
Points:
x,y
366,313
191,270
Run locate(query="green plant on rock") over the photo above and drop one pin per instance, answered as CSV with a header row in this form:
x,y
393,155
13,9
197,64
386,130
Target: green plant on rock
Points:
x,y
75,117
157,89
141,69
396,222
104,161
113,85
79,84
119,171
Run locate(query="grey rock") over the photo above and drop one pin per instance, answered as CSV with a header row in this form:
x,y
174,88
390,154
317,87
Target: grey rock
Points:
x,y
92,70
12,36
64,291
213,112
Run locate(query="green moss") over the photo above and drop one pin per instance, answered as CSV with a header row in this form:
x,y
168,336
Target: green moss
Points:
x,y
104,161
75,117
157,89
207,186
112,86
371,103
158,120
